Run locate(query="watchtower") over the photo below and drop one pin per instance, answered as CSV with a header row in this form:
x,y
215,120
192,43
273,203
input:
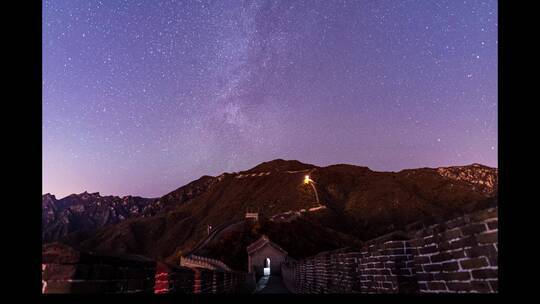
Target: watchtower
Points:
x,y
252,215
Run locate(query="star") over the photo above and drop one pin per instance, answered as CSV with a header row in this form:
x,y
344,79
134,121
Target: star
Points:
x,y
225,85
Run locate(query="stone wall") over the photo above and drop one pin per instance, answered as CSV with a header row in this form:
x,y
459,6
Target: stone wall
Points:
x,y
173,279
203,262
327,272
459,255
387,267
66,270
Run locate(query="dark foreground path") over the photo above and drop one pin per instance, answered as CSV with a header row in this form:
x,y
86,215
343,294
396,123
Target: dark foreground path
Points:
x,y
271,284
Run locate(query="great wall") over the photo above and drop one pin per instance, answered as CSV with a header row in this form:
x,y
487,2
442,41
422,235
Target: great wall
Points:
x,y
459,255
456,255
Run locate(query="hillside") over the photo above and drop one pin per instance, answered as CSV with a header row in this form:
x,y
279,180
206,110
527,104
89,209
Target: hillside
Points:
x,y
360,204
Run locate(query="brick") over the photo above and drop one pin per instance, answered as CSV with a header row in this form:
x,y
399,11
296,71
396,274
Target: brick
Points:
x,y
458,286
480,286
473,229
458,254
452,234
422,276
485,274
482,250
493,261
453,276
432,267
450,266
421,260
410,250
493,225
474,263
370,272
488,238
443,256
428,249
389,264
432,239
467,241
436,286
371,259
443,246
396,251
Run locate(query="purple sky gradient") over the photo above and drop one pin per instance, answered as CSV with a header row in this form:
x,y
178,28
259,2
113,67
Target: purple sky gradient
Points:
x,y
141,97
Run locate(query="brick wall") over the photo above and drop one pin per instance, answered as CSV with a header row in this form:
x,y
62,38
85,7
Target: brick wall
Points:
x,y
66,270
203,262
387,267
328,272
459,255
171,279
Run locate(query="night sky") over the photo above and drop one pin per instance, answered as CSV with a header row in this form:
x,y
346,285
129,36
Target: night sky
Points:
x,y
142,97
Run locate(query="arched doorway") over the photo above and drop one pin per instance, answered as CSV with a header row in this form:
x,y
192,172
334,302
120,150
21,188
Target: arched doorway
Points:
x,y
266,270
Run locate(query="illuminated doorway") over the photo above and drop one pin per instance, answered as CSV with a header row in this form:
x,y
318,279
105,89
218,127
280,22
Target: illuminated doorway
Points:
x,y
266,270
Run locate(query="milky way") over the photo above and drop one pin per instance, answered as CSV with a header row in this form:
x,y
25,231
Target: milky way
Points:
x,y
141,97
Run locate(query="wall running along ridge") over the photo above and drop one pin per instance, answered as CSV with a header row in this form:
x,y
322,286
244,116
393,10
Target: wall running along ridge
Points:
x,y
203,262
459,255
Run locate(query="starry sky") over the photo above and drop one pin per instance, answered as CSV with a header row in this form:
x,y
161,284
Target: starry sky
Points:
x,y
142,97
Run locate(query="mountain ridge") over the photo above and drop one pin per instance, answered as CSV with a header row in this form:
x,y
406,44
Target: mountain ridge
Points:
x,y
87,212
359,204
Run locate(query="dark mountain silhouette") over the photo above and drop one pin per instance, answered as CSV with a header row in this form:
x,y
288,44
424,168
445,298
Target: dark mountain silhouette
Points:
x,y
359,204
85,212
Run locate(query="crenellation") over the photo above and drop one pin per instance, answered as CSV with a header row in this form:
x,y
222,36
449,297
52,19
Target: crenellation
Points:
x,y
459,255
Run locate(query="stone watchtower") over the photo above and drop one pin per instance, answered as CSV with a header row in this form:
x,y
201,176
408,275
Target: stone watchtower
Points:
x,y
265,257
252,216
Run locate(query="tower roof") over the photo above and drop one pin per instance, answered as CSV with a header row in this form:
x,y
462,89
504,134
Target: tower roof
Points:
x,y
261,242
